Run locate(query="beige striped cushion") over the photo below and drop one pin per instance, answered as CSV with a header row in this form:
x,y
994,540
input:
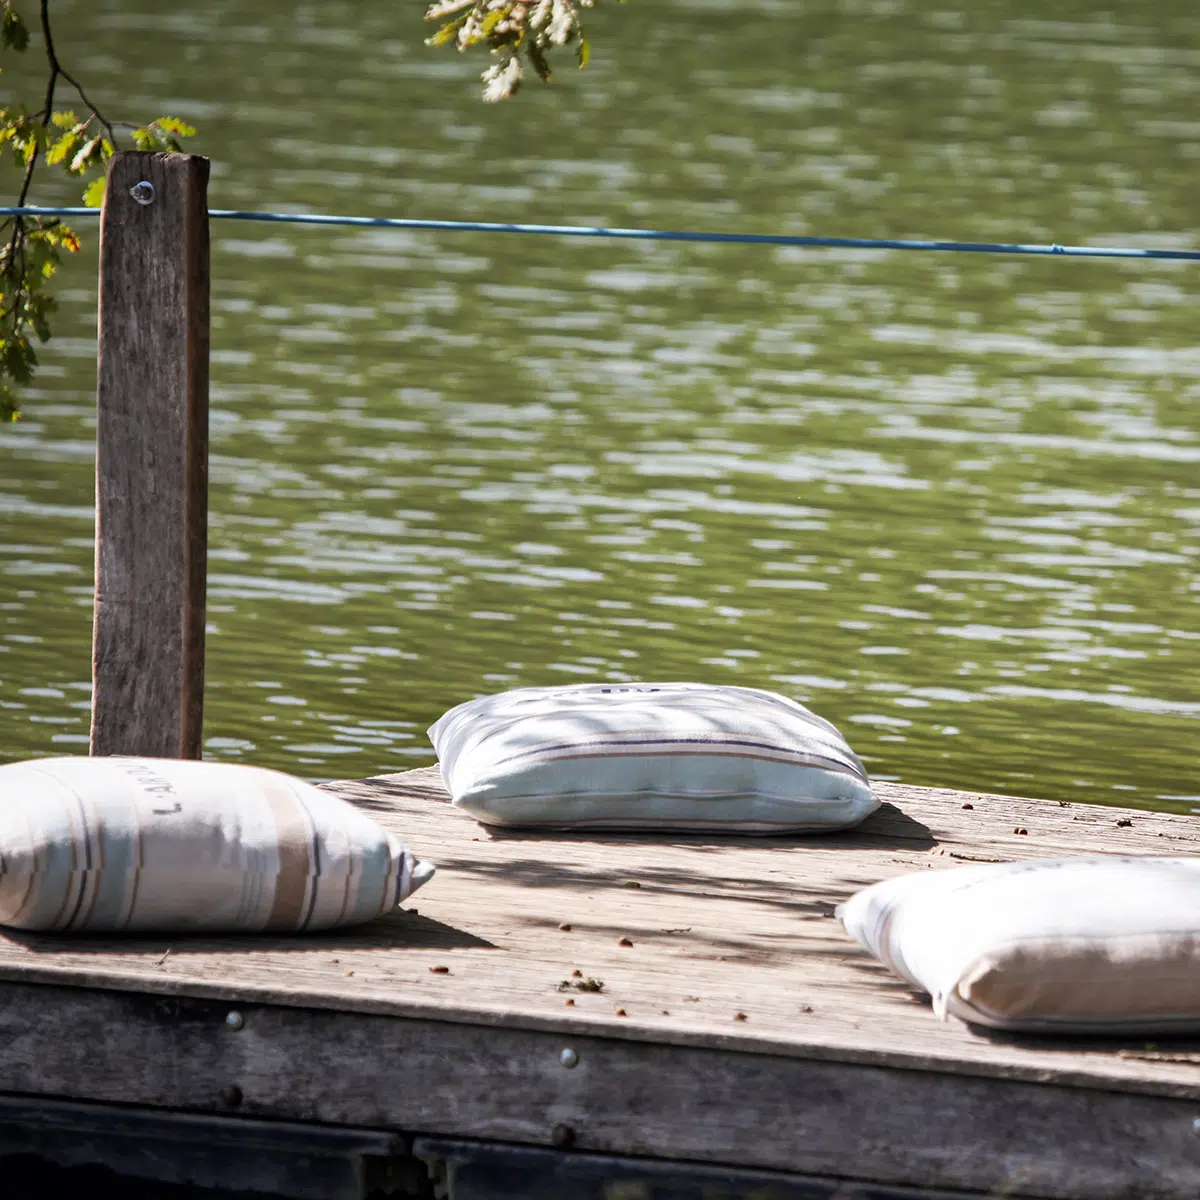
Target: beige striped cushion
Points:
x,y
679,756
106,845
1076,945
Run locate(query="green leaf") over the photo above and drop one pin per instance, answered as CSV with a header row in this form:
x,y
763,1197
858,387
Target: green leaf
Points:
x,y
537,60
143,139
493,19
448,32
93,194
584,52
13,33
40,310
175,125
63,148
41,259
17,359
65,120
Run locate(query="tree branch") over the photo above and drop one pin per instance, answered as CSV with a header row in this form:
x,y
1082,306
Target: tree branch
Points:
x,y
47,112
56,68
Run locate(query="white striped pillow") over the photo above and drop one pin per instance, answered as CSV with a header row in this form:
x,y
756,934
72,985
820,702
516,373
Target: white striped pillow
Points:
x,y
123,845
679,756
1076,945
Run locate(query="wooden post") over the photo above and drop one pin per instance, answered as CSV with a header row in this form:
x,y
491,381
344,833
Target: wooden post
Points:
x,y
151,458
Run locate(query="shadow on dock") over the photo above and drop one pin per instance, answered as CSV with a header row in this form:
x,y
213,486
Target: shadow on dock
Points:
x,y
400,929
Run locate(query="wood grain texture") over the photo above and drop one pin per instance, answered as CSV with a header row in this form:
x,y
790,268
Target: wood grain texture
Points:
x,y
718,926
152,460
635,1098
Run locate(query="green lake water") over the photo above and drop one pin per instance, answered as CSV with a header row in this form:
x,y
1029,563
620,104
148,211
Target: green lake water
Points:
x,y
950,502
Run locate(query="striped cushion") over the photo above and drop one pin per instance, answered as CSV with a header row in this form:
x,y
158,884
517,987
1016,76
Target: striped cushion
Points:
x,y
1075,945
680,756
106,845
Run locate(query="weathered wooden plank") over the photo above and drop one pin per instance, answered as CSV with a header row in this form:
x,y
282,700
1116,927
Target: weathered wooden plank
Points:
x,y
622,1097
151,458
718,926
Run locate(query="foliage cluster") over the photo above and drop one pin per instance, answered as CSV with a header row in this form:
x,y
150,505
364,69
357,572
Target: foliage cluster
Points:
x,y
80,140
517,32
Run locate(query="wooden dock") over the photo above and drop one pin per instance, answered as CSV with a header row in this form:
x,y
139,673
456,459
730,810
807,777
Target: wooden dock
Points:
x,y
634,1005
551,1018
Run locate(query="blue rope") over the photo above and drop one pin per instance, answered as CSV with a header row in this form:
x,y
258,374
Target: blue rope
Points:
x,y
655,235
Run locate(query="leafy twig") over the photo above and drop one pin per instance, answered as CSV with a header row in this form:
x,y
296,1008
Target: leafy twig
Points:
x,y
32,253
56,68
515,31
